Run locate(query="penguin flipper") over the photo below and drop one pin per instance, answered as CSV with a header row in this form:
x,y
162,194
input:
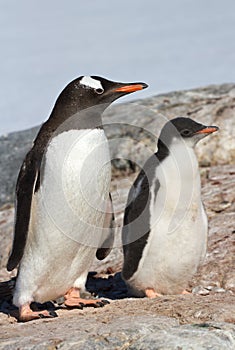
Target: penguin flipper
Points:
x,y
27,184
136,223
107,245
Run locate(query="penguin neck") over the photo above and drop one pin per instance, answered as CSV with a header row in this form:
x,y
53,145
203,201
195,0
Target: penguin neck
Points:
x,y
163,150
179,174
181,153
62,121
89,118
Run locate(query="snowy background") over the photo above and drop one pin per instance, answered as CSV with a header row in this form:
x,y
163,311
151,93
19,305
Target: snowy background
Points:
x,y
169,44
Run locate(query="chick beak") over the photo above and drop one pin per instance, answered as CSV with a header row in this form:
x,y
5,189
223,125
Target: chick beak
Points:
x,y
208,130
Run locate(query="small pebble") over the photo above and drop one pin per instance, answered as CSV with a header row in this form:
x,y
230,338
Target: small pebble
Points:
x,y
218,290
200,290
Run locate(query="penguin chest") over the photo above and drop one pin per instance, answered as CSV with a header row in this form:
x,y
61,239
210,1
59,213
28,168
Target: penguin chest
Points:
x,y
70,205
76,179
175,248
178,227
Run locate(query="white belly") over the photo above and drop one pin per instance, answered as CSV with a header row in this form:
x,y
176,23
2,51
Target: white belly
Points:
x,y
67,214
178,236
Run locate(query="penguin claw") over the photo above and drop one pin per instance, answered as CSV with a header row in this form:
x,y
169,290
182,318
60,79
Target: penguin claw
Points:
x,y
102,303
99,304
53,314
79,306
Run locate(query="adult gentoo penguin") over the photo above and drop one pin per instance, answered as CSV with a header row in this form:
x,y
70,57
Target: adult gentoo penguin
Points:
x,y
62,198
165,224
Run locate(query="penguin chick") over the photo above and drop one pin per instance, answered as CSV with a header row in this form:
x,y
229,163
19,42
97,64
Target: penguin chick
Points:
x,y
62,199
165,225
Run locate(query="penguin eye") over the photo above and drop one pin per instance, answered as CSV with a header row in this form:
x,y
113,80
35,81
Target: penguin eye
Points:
x,y
185,132
99,91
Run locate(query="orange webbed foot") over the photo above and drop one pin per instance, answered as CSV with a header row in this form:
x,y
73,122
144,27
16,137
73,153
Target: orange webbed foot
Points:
x,y
27,314
151,294
74,300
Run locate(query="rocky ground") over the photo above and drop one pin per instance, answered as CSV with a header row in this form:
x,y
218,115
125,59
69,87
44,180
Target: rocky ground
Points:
x,y
202,320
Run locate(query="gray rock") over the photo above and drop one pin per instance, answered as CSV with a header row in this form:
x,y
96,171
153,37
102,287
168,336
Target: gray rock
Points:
x,y
133,128
194,337
6,234
129,332
13,148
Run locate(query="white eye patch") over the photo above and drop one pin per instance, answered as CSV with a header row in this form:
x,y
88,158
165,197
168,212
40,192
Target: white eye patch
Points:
x,y
91,83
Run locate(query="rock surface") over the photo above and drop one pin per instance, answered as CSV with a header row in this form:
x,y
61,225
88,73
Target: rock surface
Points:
x,y
105,330
202,320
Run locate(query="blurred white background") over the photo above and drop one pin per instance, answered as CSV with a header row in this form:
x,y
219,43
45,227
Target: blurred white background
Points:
x,y
170,45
